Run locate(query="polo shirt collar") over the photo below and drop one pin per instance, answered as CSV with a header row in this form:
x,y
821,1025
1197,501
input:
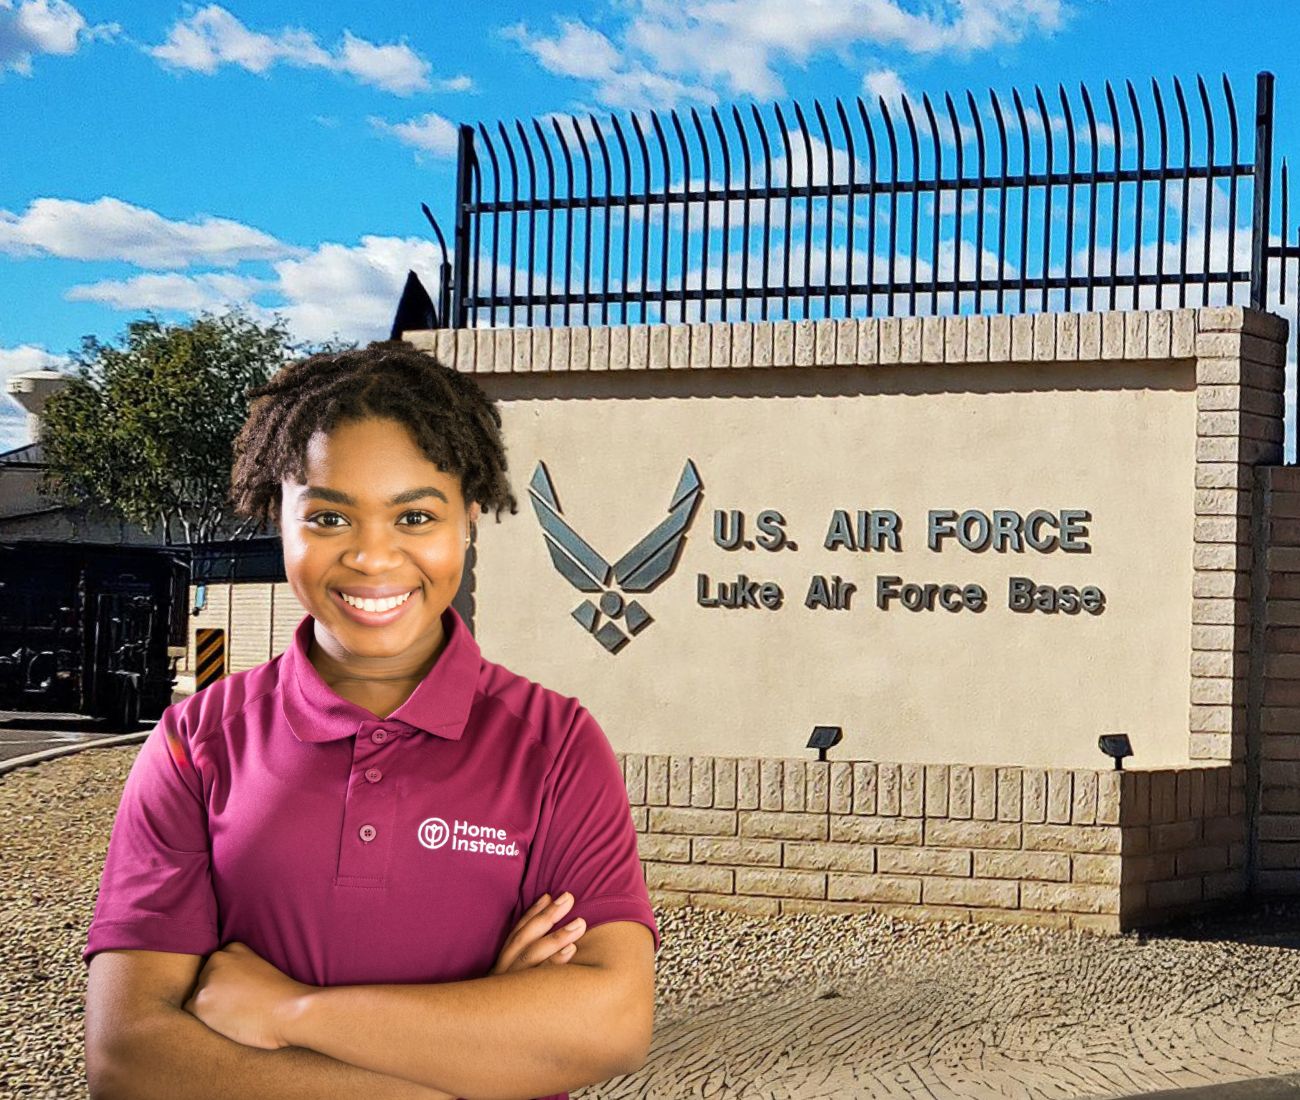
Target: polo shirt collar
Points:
x,y
440,703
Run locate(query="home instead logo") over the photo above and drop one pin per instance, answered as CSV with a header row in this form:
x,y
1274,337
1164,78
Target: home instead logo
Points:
x,y
433,833
639,570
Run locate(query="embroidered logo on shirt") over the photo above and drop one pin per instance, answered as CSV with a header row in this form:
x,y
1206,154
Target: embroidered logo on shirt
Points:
x,y
465,837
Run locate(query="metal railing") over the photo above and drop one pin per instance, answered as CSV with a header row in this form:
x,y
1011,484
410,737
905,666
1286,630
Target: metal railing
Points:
x,y
1109,201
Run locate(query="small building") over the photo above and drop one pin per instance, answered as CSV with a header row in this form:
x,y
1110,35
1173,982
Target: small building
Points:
x,y
237,584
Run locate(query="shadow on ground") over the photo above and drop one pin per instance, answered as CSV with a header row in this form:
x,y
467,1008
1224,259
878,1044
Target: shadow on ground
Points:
x,y
1264,923
56,723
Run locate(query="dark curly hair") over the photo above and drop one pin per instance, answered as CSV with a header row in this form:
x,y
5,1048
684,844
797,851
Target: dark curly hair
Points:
x,y
450,417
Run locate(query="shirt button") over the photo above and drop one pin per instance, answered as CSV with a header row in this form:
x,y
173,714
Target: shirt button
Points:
x,y
367,833
374,775
379,736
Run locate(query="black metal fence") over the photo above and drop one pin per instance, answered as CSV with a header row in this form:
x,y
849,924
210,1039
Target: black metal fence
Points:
x,y
1114,200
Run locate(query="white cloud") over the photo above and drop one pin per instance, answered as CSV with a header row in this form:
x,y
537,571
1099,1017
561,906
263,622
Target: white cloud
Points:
x,y
671,50
884,84
13,426
583,53
395,68
27,357
109,229
35,27
212,37
578,50
345,290
189,293
431,133
637,87
353,291
740,42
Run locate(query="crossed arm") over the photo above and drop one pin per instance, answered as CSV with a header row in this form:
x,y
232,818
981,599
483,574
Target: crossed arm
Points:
x,y
525,1033
519,1034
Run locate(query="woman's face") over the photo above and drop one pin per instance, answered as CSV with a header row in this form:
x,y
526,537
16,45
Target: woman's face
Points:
x,y
374,541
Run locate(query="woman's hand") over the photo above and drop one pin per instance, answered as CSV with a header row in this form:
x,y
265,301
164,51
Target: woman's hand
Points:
x,y
243,997
531,941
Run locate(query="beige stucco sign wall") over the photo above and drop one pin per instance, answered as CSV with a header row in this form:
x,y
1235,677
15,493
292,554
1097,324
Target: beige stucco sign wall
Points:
x,y
1097,448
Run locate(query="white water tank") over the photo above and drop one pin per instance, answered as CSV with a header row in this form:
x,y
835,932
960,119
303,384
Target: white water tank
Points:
x,y
31,390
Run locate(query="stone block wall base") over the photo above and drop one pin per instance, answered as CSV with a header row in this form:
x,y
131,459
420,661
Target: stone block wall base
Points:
x,y
1091,850
1107,924
1103,923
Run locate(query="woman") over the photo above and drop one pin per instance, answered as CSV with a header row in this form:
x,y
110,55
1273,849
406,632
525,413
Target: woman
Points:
x,y
334,872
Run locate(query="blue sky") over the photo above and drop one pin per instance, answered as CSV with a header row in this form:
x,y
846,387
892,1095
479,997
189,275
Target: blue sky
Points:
x,y
174,157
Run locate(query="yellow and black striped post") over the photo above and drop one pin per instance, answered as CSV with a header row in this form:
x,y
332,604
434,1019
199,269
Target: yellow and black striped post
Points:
x,y
210,655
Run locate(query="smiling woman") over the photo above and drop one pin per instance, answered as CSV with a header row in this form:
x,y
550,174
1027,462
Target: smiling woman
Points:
x,y
330,791
374,571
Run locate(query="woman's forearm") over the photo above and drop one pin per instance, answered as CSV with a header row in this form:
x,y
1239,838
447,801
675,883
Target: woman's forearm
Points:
x,y
171,1055
515,1035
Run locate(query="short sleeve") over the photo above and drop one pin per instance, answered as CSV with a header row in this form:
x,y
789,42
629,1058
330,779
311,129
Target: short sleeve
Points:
x,y
586,841
156,891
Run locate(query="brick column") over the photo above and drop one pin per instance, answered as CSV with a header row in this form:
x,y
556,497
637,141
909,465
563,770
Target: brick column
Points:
x,y
1275,698
1239,382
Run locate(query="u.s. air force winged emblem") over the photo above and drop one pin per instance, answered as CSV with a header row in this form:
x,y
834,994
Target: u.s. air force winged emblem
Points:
x,y
639,570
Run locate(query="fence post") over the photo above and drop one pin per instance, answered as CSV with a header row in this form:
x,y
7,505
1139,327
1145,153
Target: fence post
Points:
x,y
444,295
460,235
1263,178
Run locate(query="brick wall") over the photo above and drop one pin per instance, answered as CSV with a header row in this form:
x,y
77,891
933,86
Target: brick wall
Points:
x,y
1085,849
1275,756
1103,851
1239,357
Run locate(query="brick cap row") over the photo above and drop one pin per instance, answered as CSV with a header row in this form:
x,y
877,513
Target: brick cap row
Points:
x,y
996,338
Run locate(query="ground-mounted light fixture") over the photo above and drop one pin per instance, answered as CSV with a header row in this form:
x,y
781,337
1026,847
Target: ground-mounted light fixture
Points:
x,y
823,737
1116,746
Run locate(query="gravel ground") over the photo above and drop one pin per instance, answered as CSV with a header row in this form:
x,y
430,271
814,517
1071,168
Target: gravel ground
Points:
x,y
802,1007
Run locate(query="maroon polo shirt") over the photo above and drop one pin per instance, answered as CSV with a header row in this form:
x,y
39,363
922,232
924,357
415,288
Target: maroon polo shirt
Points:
x,y
349,849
